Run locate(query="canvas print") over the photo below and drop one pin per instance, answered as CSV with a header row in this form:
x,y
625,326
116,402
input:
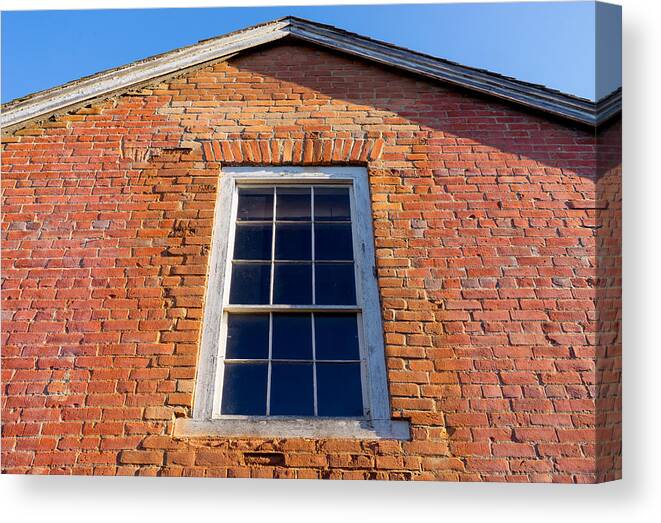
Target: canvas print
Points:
x,y
345,242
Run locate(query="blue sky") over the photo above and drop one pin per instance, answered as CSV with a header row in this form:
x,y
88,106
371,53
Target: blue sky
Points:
x,y
551,43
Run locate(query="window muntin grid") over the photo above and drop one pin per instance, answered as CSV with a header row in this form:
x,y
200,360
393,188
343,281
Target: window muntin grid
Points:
x,y
293,250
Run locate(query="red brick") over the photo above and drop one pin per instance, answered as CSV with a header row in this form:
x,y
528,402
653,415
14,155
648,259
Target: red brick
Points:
x,y
141,457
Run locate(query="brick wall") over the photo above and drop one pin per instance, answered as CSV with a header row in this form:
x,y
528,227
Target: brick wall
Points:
x,y
496,238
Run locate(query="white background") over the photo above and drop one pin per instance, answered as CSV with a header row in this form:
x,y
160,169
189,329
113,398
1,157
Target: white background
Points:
x,y
636,498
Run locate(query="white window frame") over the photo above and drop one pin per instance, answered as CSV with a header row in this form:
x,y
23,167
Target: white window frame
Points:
x,y
207,419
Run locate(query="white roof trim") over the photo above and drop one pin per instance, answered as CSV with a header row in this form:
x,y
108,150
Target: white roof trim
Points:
x,y
538,97
107,82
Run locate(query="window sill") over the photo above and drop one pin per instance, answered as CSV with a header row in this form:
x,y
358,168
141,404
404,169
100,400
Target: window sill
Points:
x,y
330,428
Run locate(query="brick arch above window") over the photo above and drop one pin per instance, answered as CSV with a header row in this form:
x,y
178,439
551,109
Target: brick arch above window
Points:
x,y
289,151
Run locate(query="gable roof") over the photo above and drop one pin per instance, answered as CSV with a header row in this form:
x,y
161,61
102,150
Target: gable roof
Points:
x,y
42,104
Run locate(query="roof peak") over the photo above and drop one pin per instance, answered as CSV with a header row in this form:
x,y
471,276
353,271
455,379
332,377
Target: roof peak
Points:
x,y
20,111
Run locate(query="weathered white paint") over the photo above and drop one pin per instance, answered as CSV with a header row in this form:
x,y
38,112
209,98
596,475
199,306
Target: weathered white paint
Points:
x,y
293,428
208,391
211,334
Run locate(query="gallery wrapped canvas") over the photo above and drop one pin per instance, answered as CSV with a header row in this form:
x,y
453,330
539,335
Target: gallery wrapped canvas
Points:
x,y
295,251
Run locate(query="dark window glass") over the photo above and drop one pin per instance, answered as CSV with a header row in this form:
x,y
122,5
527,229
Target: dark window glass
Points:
x,y
336,336
244,389
293,241
292,336
291,389
255,204
247,336
253,242
293,203
334,284
333,241
339,392
292,284
250,283
331,204
290,371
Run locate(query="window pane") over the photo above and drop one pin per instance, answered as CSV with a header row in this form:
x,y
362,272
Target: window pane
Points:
x,y
336,336
293,203
293,241
247,336
339,391
250,283
333,241
291,389
292,336
255,204
293,284
331,204
244,389
334,284
253,242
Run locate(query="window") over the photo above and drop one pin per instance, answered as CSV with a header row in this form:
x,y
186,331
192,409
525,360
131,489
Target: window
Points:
x,y
292,341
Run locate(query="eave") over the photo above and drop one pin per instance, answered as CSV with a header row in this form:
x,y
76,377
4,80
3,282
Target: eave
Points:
x,y
21,111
